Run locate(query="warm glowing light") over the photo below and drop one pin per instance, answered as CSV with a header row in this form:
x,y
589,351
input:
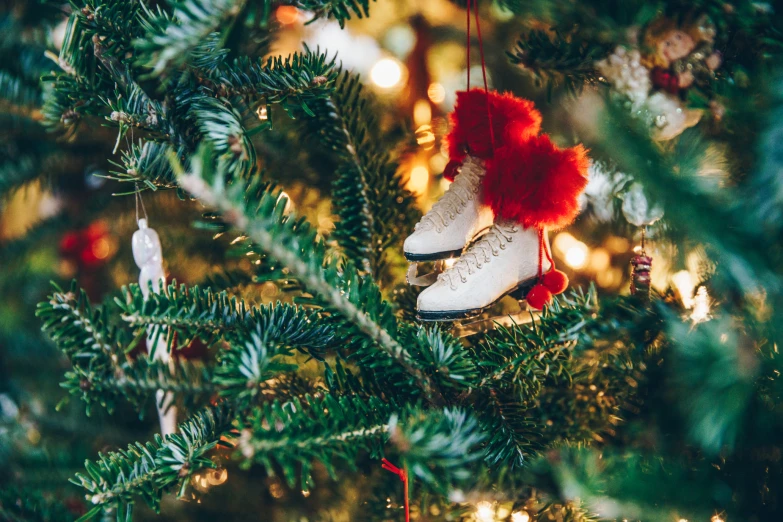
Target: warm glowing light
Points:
x,y
262,113
683,282
436,93
289,205
701,306
437,163
717,518
599,259
422,112
217,477
485,512
683,520
425,137
101,249
562,242
520,516
287,14
576,255
418,180
448,263
386,73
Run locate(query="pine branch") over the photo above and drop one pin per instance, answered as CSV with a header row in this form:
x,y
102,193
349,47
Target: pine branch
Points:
x,y
148,470
294,245
555,60
374,209
170,39
199,312
26,505
146,164
340,10
293,80
19,103
331,430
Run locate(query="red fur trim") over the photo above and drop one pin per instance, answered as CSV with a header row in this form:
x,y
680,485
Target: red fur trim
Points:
x,y
535,183
469,134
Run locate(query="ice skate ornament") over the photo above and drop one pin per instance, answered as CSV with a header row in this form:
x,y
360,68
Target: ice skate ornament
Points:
x,y
481,121
531,186
149,258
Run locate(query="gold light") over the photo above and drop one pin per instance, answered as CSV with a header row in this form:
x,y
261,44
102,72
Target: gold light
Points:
x,y
576,255
386,73
262,113
418,180
520,516
701,306
683,282
436,93
717,518
422,112
485,512
287,14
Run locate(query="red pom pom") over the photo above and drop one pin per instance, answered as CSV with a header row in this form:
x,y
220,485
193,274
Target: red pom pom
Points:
x,y
512,117
539,296
555,281
535,183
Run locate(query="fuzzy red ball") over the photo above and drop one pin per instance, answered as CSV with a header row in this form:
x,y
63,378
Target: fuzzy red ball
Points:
x,y
539,296
512,117
555,281
535,183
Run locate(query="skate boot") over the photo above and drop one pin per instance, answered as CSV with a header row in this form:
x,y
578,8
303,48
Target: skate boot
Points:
x,y
457,218
503,261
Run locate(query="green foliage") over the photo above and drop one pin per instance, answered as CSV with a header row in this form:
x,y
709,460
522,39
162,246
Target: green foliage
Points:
x,y
149,470
373,208
559,60
169,38
340,10
21,505
333,430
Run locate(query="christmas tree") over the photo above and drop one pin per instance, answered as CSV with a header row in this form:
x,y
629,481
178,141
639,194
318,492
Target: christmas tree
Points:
x,y
217,219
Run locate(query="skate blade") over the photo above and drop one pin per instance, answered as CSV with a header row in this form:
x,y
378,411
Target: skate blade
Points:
x,y
519,293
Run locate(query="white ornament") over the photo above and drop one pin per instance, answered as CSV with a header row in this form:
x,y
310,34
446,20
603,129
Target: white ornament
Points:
x,y
668,117
623,69
149,258
600,191
637,209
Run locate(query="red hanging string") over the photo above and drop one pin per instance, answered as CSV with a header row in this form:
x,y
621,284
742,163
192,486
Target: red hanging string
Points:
x,y
483,69
404,478
467,45
541,252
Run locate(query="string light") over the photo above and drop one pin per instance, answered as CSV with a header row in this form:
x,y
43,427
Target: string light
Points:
x,y
701,306
422,112
683,520
520,516
436,93
418,180
425,137
576,255
683,282
485,512
717,518
262,114
287,14
386,73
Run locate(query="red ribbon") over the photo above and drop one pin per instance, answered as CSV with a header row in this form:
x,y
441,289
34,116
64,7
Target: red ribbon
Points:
x,y
404,478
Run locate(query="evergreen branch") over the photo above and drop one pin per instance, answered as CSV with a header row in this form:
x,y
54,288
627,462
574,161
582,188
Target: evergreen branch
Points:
x,y
328,429
340,10
294,80
293,244
146,164
373,207
221,125
25,505
199,312
170,39
19,102
148,470
437,446
555,60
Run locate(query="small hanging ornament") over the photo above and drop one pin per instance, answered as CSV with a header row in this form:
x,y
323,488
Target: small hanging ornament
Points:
x,y
148,255
403,474
640,273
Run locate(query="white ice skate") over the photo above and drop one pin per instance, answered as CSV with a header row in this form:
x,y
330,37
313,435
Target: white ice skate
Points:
x,y
452,223
503,261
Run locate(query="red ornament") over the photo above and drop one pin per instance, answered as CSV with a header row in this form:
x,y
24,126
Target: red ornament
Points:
x,y
555,281
511,118
535,183
539,296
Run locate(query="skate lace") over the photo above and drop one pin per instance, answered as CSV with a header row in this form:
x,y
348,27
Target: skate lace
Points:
x,y
479,254
462,190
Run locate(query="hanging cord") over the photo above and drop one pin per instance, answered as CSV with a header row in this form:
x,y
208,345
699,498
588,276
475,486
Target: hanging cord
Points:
x,y
541,251
404,478
139,200
483,70
467,44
